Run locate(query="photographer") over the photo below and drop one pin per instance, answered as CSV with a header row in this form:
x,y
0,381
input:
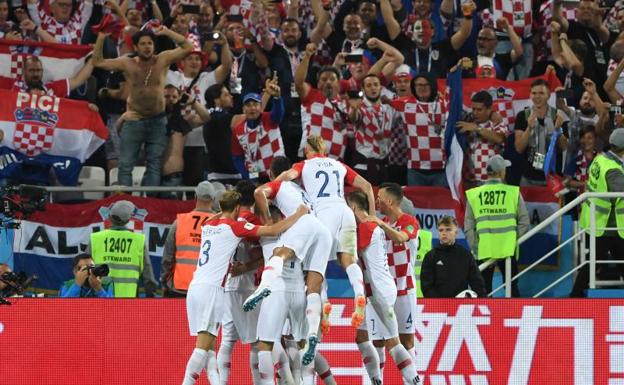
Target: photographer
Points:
x,y
4,292
85,283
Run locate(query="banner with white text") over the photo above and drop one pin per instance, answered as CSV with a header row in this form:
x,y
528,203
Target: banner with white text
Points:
x,y
47,242
458,342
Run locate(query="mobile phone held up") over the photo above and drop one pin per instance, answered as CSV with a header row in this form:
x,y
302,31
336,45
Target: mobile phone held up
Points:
x,y
189,8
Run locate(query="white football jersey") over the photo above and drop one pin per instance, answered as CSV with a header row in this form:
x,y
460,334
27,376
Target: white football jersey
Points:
x,y
219,241
324,180
374,260
288,196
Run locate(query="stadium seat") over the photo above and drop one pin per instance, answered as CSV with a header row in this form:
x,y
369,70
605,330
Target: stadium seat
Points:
x,y
92,177
137,176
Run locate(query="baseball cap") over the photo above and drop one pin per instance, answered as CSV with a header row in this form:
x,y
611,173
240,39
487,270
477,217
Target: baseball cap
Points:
x,y
403,70
122,211
497,163
252,96
205,190
617,138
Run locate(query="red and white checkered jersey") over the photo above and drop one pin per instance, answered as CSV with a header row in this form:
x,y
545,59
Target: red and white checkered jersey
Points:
x,y
371,240
398,144
425,123
245,281
481,149
402,255
66,33
517,12
58,88
287,197
323,179
373,134
219,241
320,117
258,145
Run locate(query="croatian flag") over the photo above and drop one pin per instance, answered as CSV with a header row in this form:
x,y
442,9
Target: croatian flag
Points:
x,y
509,97
453,143
60,61
45,132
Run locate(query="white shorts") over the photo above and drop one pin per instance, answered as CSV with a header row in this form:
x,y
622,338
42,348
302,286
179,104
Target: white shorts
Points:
x,y
405,309
204,304
311,242
380,319
340,221
276,309
238,324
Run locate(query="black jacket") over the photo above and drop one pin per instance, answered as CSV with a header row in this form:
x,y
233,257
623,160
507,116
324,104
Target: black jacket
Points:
x,y
449,270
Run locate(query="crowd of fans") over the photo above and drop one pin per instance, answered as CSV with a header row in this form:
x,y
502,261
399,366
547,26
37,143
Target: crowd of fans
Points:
x,y
214,89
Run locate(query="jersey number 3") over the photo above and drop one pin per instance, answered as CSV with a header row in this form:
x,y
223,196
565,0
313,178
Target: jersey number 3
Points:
x,y
203,257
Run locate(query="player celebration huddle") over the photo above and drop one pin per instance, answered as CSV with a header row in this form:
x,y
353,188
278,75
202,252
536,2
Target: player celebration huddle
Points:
x,y
294,229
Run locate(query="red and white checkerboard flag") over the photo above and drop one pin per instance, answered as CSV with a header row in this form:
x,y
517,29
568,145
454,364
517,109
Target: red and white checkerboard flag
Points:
x,y
34,125
60,61
509,97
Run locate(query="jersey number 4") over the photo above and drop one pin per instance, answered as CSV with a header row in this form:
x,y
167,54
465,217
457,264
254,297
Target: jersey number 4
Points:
x,y
325,175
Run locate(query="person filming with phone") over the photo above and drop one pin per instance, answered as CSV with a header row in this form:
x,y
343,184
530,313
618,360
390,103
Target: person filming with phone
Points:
x,y
90,281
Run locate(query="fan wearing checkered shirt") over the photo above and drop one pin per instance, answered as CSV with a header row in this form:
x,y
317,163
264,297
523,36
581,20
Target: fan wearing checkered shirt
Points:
x,y
425,117
323,113
33,76
374,122
67,28
257,139
486,135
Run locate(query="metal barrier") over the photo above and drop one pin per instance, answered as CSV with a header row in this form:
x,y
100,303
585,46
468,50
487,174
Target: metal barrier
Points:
x,y
578,233
119,190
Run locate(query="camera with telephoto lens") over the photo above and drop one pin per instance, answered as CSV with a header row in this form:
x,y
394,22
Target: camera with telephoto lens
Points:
x,y
99,270
19,202
14,284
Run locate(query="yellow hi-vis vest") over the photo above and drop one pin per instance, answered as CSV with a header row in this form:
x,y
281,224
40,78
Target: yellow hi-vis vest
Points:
x,y
495,208
122,251
425,239
597,182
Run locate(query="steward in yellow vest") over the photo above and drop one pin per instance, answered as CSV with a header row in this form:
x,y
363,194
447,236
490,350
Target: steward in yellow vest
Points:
x,y
425,239
495,217
606,174
183,241
125,253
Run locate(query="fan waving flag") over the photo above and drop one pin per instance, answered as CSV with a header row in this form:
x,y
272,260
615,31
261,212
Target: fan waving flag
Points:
x,y
46,132
59,61
509,97
453,142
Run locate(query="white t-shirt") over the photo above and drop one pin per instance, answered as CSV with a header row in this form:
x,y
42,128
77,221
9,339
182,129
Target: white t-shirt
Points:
x,y
194,138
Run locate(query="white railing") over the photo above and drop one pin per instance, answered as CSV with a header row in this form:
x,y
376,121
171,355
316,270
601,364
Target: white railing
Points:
x,y
578,234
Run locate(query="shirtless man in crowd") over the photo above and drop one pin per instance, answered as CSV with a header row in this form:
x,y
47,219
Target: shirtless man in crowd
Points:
x,y
144,120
